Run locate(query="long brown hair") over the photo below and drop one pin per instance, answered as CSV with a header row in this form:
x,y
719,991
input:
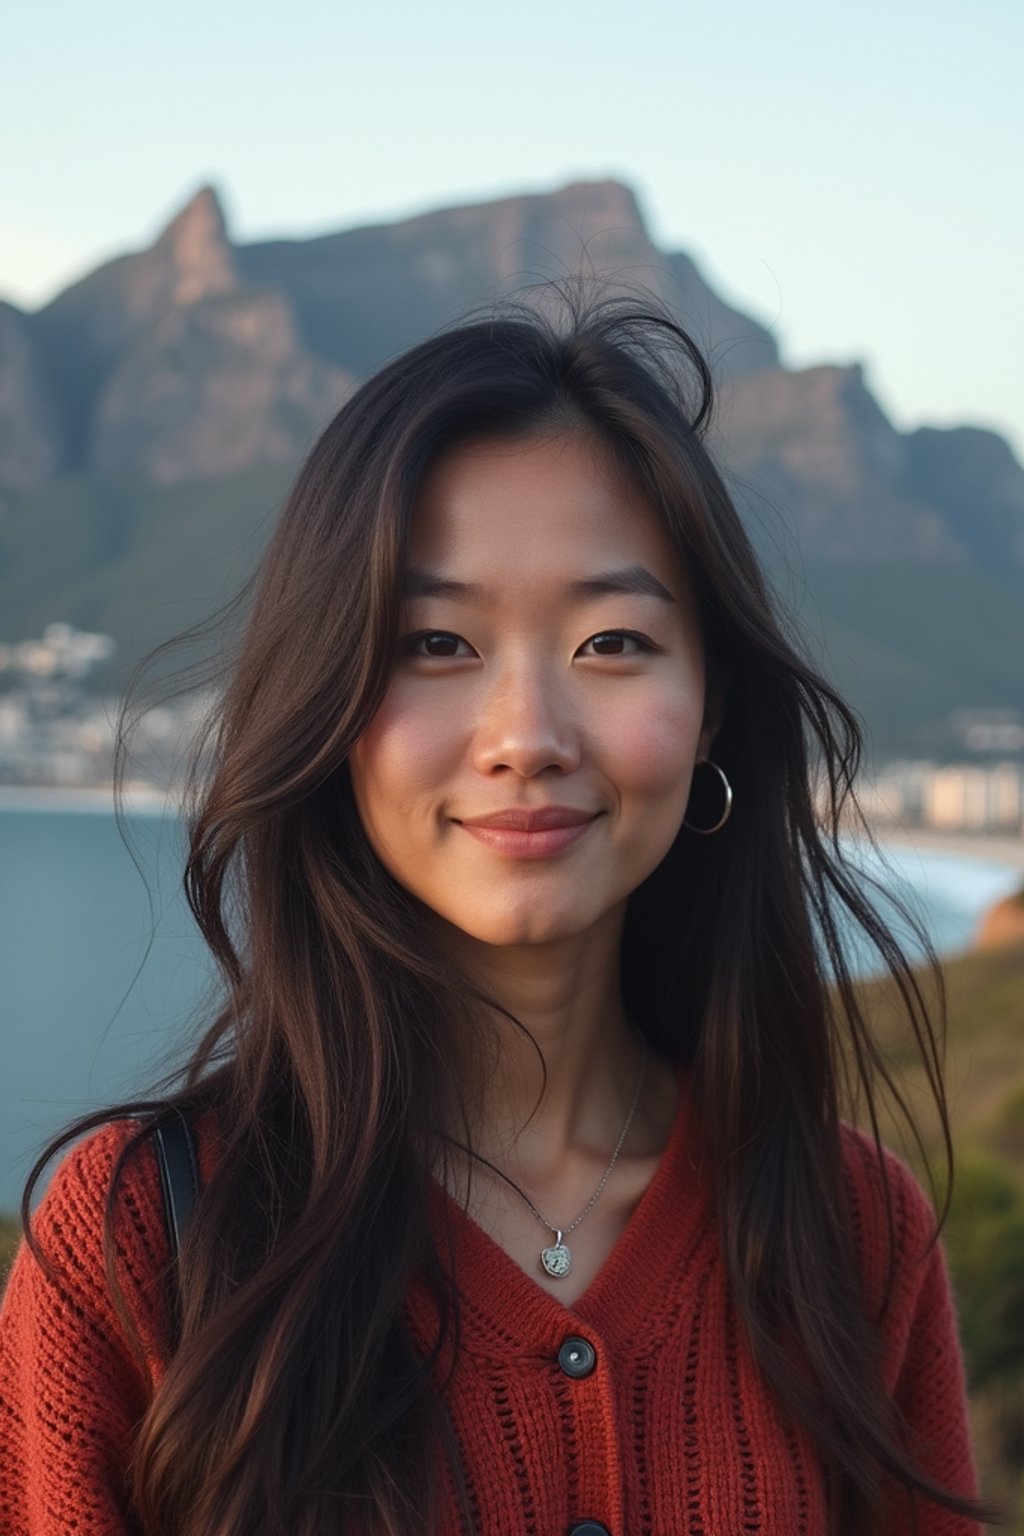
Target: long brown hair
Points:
x,y
294,1400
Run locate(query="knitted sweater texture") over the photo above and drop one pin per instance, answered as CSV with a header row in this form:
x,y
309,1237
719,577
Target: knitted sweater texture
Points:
x,y
670,1433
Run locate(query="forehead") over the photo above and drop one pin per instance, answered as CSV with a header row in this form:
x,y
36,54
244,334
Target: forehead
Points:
x,y
537,503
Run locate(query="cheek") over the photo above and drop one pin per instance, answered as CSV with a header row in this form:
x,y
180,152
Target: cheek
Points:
x,y
402,758
652,748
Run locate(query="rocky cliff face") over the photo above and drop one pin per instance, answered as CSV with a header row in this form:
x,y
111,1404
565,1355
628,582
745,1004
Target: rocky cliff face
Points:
x,y
1002,924
30,435
971,477
819,445
365,294
82,334
165,364
213,387
198,357
108,310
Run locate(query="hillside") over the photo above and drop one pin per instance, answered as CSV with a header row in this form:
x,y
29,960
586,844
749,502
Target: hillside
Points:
x,y
984,1234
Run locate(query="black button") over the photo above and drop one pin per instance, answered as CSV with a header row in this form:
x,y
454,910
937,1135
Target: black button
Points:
x,y
577,1357
589,1528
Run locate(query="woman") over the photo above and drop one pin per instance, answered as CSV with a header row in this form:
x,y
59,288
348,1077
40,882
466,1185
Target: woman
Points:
x,y
526,1205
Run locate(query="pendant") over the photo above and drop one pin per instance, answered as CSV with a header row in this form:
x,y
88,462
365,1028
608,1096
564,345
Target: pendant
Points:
x,y
556,1260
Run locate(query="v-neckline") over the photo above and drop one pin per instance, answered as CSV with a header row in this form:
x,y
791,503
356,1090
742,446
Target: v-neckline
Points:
x,y
645,1252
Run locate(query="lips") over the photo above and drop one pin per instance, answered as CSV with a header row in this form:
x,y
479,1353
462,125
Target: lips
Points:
x,y
530,834
544,819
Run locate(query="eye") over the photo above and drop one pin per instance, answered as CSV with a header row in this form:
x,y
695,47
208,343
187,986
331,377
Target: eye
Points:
x,y
436,643
616,642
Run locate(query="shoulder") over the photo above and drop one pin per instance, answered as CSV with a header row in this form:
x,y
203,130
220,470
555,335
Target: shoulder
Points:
x,y
110,1170
875,1178
910,1300
80,1357
110,1165
895,1233
891,1217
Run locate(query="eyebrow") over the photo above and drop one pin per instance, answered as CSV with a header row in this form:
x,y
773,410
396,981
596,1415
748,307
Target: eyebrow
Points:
x,y
631,580
425,584
634,580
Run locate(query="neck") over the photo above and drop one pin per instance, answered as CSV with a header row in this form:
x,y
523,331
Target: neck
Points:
x,y
562,1077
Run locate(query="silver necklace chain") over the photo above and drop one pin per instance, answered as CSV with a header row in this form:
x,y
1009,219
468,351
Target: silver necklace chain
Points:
x,y
557,1260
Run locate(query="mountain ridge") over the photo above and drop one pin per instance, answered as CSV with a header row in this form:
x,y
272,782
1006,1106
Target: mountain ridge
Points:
x,y
199,361
276,332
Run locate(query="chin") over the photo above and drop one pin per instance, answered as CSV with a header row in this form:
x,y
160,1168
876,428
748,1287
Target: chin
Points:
x,y
523,930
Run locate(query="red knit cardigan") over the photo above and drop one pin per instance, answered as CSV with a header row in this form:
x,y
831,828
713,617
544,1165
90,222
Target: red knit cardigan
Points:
x,y
670,1432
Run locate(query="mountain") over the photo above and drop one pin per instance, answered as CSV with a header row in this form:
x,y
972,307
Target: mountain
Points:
x,y
196,357
213,387
972,478
161,402
364,294
167,365
31,438
819,442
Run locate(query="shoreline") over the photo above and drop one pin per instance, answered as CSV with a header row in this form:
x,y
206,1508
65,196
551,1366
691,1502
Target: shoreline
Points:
x,y
996,847
143,799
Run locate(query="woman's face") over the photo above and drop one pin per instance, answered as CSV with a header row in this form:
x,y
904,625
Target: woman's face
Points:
x,y
531,761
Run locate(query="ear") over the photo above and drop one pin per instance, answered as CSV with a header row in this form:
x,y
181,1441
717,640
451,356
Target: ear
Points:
x,y
715,689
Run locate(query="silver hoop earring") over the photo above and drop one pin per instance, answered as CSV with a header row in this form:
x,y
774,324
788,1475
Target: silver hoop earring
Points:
x,y
705,762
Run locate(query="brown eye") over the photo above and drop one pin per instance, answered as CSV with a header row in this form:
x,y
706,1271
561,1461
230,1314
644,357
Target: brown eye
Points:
x,y
440,645
617,642
437,643
608,645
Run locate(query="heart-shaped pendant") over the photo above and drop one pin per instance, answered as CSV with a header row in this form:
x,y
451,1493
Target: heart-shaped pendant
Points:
x,y
556,1260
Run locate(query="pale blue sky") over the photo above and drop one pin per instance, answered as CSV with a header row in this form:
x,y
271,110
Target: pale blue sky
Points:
x,y
849,174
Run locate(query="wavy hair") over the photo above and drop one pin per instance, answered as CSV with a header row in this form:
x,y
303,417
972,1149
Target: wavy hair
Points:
x,y
294,1401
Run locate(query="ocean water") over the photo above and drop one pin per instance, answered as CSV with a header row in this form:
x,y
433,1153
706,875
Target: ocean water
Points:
x,y
947,893
100,970
103,980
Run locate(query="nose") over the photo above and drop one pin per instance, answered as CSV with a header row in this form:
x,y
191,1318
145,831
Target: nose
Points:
x,y
526,725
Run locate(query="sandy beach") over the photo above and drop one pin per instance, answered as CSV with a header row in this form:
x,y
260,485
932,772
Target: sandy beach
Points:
x,y
1000,848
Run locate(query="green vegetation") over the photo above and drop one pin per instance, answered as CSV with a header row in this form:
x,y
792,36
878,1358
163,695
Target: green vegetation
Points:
x,y
984,1232
9,1233
135,561
908,644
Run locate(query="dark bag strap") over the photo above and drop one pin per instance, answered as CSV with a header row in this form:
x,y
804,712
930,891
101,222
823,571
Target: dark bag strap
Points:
x,y
178,1162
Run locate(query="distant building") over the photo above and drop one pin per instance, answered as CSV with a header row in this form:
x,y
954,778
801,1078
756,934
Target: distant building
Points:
x,y
52,730
974,798
952,797
63,653
996,732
